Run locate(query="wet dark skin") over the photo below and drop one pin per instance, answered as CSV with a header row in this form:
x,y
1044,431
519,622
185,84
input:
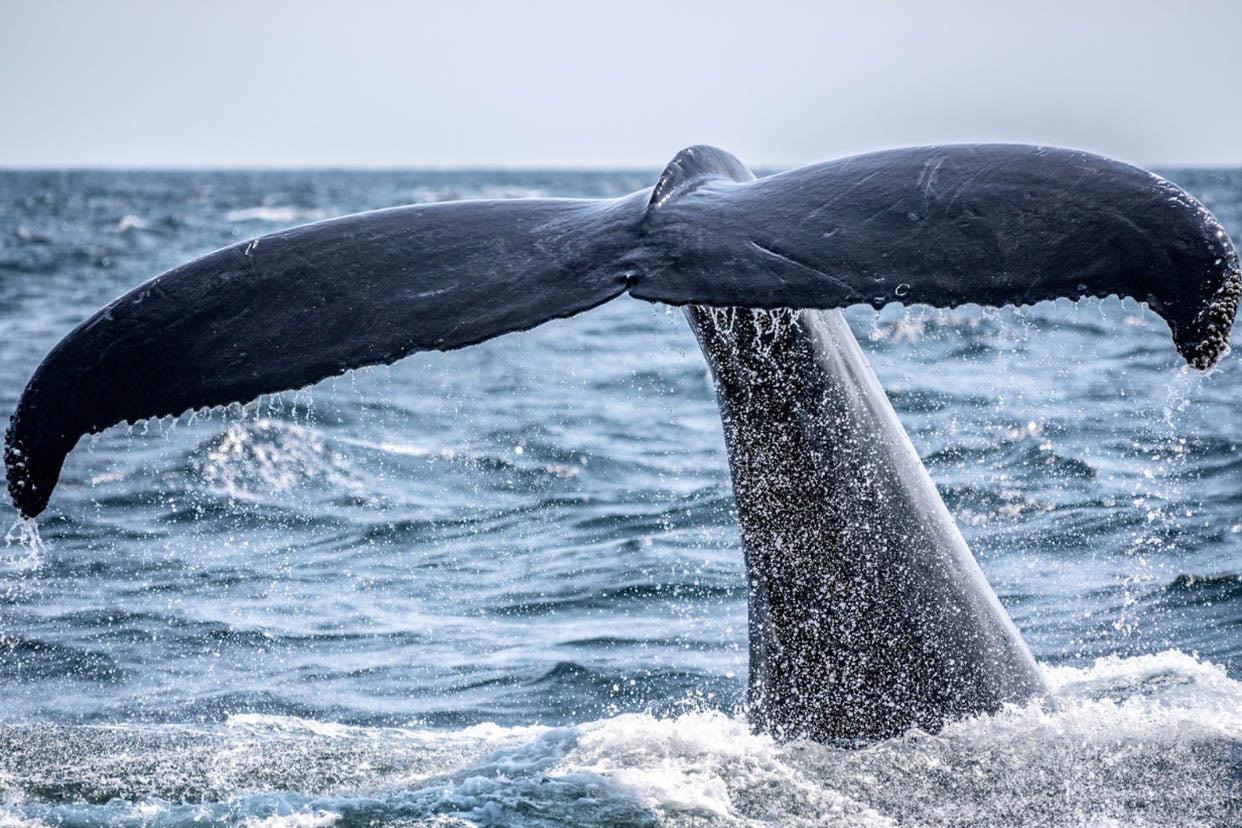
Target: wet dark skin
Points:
x,y
868,612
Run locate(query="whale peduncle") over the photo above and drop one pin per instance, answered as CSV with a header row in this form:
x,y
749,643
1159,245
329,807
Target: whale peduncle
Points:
x,y
868,613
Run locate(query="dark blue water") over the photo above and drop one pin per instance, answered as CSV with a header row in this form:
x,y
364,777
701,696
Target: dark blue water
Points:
x,y
504,585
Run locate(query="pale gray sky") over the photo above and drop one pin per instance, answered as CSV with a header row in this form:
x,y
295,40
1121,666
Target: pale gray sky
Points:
x,y
358,83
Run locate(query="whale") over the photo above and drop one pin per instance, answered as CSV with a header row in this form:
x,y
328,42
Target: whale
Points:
x,y
868,613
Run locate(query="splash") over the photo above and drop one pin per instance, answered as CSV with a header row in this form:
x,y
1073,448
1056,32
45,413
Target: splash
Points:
x,y
771,326
25,534
253,460
1142,741
1158,492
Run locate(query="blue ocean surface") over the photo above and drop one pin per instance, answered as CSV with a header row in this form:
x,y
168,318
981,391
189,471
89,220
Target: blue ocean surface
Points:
x,y
504,585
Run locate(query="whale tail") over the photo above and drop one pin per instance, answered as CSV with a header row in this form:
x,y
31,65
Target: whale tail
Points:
x,y
990,224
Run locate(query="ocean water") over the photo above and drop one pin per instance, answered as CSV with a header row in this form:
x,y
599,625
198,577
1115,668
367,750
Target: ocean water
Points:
x,y
504,585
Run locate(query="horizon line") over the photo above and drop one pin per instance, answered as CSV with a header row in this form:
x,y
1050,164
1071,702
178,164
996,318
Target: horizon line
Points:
x,y
498,167
448,168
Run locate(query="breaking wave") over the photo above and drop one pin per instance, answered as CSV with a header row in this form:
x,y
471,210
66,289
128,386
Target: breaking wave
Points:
x,y
1147,741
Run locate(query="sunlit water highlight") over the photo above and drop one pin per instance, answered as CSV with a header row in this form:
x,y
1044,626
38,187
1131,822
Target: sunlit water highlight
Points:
x,y
504,585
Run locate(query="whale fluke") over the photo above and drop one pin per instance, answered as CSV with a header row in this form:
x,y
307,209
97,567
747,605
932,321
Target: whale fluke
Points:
x,y
291,308
991,224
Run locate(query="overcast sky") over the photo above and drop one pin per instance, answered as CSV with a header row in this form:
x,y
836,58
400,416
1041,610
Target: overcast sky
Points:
x,y
356,83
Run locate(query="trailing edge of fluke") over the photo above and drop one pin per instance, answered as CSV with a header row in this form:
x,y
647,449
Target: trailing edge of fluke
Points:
x,y
942,225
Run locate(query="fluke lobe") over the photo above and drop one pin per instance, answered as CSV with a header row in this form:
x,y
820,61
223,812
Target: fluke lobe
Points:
x,y
868,613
